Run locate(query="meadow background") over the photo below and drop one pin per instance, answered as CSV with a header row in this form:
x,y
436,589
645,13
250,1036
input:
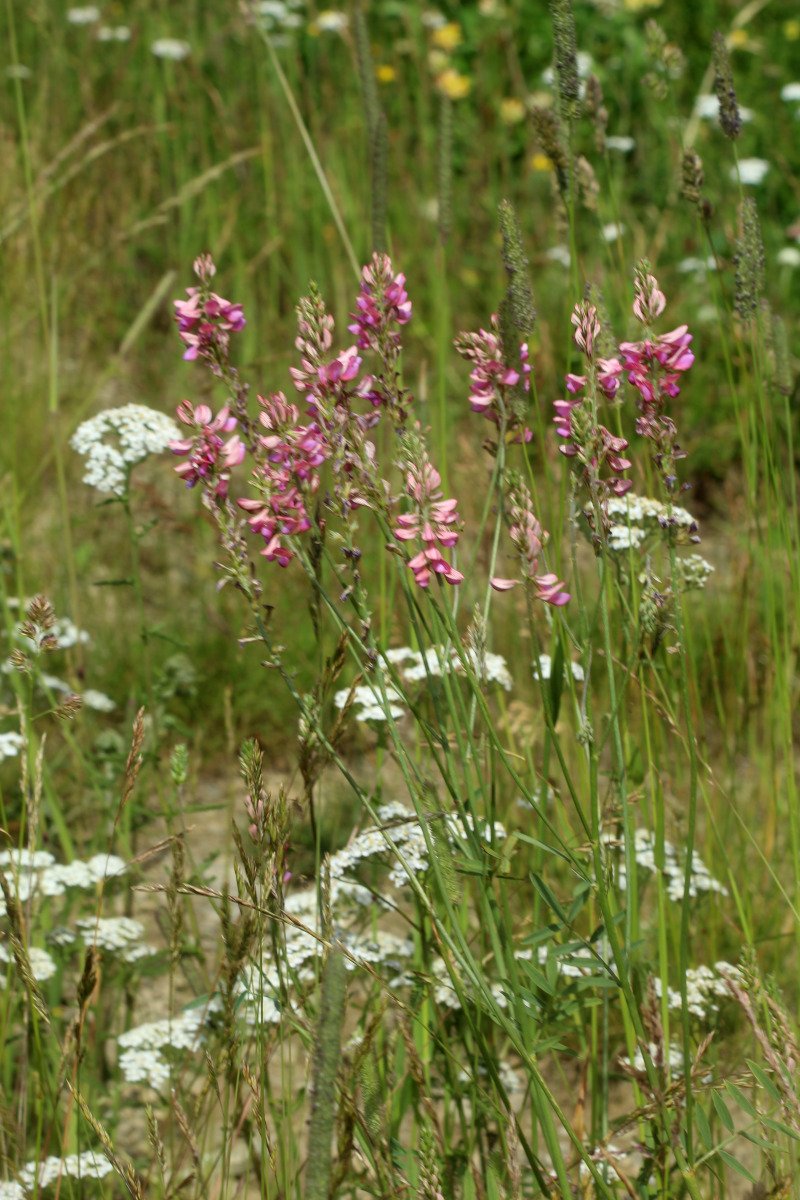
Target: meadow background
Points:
x,y
135,137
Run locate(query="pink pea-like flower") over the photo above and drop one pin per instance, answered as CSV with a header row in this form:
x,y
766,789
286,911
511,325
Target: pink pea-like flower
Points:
x,y
492,379
210,458
529,538
206,320
382,304
434,522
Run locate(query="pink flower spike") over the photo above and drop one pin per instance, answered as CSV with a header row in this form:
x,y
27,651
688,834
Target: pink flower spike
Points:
x,y
503,585
433,520
548,588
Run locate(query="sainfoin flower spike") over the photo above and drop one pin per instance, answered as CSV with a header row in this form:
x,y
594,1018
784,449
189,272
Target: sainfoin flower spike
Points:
x,y
288,476
382,304
529,539
655,366
433,520
210,457
206,320
576,416
492,380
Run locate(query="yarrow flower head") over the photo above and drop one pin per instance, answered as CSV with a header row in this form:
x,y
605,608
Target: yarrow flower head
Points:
x,y
115,440
529,540
210,457
493,381
206,320
433,520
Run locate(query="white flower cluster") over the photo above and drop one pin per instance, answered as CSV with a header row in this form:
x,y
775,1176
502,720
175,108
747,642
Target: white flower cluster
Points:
x,y
604,1158
67,634
704,987
42,965
545,669
673,1058
91,1164
10,744
368,702
416,666
431,18
114,33
173,50
332,21
634,518
11,1190
572,965
117,439
675,872
509,1076
279,16
121,936
98,701
749,171
584,63
707,107
788,256
405,835
697,266
87,14
35,873
693,572
259,986
142,1048
620,143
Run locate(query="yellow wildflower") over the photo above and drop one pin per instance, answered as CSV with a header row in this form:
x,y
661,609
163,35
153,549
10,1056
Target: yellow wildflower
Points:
x,y
453,84
540,162
791,29
385,73
447,37
738,39
512,111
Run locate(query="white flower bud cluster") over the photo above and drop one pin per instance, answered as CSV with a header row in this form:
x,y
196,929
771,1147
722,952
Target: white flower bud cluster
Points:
x,y
636,518
117,439
121,936
90,1164
369,704
693,572
545,669
35,874
672,1059
701,879
10,744
142,1048
402,829
416,666
705,986
42,965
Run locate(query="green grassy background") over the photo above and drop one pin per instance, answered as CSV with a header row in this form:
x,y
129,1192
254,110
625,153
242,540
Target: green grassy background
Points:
x,y
117,168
